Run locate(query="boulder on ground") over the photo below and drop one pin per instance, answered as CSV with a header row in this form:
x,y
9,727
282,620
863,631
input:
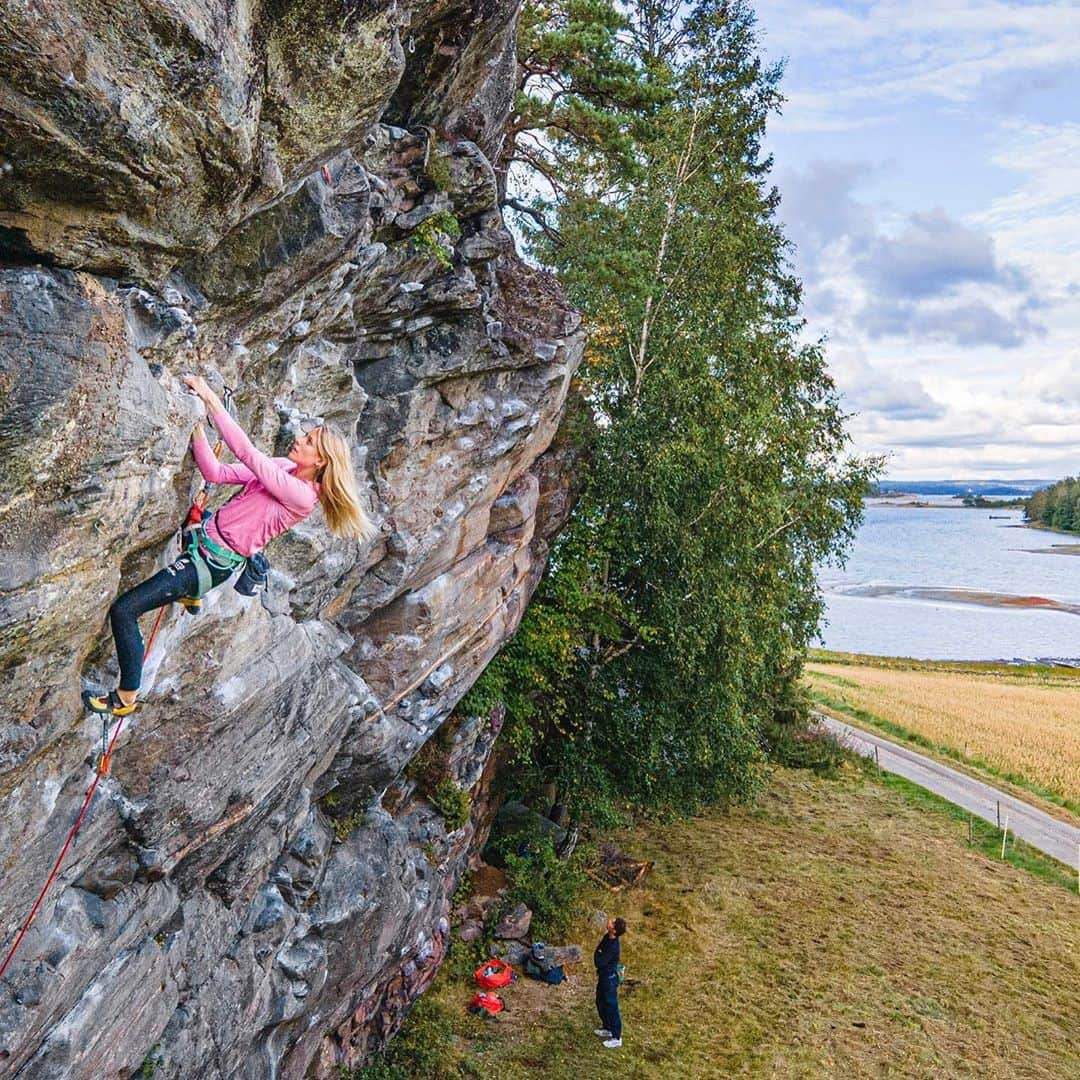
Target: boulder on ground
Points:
x,y
515,924
514,953
561,955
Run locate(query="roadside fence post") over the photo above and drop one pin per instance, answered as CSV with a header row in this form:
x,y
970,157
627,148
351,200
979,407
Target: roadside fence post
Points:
x,y
999,813
1005,836
971,831
877,760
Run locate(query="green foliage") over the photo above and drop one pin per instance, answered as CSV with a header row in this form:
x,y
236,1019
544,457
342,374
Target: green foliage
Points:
x,y
430,236
1056,506
431,763
797,746
982,503
680,600
424,1049
791,739
463,958
549,886
344,824
453,803
581,98
438,171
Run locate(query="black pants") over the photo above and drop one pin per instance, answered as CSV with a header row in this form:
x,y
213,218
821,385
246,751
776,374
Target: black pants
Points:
x,y
177,580
607,1004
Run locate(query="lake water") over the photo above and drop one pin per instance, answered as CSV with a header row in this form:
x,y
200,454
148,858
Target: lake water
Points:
x,y
902,548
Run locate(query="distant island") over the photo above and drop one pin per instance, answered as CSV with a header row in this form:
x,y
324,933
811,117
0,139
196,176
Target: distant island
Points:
x,y
959,488
1046,504
955,494
1056,506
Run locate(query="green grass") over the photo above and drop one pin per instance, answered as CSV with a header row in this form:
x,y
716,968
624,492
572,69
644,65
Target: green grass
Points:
x,y
941,750
986,838
836,928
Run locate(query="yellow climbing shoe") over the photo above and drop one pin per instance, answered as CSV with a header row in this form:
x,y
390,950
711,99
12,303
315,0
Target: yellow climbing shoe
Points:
x,y
192,605
108,703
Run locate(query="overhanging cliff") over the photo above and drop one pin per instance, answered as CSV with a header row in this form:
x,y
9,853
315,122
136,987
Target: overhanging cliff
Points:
x,y
296,198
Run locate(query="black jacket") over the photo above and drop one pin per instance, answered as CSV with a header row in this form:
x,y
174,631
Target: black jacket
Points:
x,y
606,957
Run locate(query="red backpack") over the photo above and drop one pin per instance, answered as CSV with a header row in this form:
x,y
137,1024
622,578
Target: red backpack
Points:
x,y
493,974
488,1003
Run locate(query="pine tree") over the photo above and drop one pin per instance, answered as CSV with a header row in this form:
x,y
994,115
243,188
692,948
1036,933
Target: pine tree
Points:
x,y
718,475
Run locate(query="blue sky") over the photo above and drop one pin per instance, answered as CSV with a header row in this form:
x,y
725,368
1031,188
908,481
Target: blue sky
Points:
x,y
929,162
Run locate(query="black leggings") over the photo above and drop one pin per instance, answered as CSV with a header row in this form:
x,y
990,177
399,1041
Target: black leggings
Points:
x,y
179,579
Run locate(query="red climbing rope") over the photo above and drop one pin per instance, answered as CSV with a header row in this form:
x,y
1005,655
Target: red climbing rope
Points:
x,y
102,770
103,767
63,852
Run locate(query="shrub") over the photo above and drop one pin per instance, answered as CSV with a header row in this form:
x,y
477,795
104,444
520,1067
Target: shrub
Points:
x,y
424,1049
438,169
428,236
549,886
799,746
454,804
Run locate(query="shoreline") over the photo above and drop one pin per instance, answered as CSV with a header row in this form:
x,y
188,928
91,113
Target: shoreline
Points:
x,y
1066,667
914,503
945,594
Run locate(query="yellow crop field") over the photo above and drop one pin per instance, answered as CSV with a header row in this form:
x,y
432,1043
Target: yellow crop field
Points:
x,y
1018,724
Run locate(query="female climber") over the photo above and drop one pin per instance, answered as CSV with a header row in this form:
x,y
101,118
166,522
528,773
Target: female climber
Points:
x,y
276,494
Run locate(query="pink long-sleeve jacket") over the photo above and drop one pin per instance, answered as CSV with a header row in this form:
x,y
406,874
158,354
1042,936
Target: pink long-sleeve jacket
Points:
x,y
272,499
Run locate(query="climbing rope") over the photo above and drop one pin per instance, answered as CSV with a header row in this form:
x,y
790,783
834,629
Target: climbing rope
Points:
x,y
104,763
101,770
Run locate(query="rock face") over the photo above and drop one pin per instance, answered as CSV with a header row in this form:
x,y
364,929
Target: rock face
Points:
x,y
296,199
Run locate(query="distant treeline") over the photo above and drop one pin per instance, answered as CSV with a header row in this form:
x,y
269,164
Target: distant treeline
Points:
x,y
994,504
1057,506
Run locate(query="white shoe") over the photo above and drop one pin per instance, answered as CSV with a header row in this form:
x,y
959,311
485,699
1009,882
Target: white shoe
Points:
x,y
602,1032
613,1044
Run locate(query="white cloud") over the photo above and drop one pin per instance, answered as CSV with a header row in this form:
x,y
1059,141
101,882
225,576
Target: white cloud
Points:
x,y
891,51
933,191
1039,219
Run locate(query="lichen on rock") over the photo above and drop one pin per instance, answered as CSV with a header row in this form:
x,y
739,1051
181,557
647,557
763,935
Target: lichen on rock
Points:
x,y
260,889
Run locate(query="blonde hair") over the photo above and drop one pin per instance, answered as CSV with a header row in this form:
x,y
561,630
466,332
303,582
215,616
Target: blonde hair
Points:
x,y
337,487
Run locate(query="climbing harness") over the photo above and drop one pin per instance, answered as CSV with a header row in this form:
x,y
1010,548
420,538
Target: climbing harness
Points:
x,y
197,517
103,765
206,556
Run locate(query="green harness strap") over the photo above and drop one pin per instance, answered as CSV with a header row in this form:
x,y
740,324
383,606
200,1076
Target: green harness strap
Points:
x,y
202,546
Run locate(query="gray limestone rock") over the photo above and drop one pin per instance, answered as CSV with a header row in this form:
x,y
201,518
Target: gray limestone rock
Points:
x,y
514,925
257,890
514,953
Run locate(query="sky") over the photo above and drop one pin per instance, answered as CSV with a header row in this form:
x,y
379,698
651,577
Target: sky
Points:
x,y
928,157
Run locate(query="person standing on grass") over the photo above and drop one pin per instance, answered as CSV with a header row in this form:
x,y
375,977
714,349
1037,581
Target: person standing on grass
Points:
x,y
606,959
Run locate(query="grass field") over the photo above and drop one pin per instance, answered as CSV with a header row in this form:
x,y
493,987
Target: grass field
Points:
x,y
1017,724
839,929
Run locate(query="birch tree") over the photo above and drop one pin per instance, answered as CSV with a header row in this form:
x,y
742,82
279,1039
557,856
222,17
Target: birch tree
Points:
x,y
718,468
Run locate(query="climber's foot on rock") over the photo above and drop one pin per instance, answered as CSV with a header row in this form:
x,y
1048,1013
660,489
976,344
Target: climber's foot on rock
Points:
x,y
112,702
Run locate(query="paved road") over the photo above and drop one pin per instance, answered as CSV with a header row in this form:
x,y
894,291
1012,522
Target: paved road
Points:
x,y
1050,835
